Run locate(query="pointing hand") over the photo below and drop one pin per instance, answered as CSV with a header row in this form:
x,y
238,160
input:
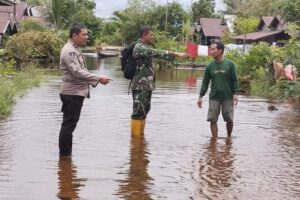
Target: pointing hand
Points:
x,y
104,80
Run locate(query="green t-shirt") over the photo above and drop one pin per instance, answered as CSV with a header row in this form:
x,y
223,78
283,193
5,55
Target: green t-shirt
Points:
x,y
224,80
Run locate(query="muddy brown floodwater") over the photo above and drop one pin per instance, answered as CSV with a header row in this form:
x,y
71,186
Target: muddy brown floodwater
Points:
x,y
176,159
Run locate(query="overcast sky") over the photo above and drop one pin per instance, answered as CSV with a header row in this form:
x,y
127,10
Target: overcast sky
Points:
x,y
105,8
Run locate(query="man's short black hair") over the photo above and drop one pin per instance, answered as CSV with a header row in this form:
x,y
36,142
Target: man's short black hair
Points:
x,y
219,45
76,28
144,30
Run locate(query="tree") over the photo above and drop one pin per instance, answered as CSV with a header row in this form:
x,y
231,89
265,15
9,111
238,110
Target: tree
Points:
x,y
110,32
293,30
290,10
252,8
132,18
34,2
87,17
56,12
63,13
130,23
245,25
89,4
233,6
125,24
202,8
172,25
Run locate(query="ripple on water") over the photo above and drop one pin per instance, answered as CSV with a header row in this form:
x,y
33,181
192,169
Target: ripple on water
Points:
x,y
175,160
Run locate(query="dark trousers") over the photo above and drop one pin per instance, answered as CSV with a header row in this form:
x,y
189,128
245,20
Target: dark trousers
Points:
x,y
71,108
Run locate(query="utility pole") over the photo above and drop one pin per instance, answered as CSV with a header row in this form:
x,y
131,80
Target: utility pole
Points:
x,y
166,16
191,13
191,21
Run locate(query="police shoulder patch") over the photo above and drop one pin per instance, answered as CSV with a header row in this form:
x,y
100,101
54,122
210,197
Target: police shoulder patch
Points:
x,y
72,54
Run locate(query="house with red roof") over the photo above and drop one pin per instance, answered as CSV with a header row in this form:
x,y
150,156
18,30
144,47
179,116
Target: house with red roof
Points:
x,y
11,14
269,29
210,29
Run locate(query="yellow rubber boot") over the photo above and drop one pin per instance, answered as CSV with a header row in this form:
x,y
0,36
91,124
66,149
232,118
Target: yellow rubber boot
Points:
x,y
136,127
143,127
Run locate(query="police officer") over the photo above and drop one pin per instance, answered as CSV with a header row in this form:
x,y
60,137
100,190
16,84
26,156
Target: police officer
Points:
x,y
143,80
75,85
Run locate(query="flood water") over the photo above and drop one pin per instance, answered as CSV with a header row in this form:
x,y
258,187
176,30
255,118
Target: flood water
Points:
x,y
176,160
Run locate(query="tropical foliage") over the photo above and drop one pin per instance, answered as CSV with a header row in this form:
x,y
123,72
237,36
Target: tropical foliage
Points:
x,y
63,13
245,25
203,8
257,65
252,8
126,23
34,45
15,85
290,10
31,25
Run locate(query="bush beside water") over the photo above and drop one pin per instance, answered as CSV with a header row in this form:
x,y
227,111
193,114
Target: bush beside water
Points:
x,y
15,85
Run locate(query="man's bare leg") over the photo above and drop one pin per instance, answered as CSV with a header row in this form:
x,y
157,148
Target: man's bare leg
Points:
x,y
229,127
214,129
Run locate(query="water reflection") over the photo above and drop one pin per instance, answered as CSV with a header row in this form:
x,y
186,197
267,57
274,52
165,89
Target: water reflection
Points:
x,y
216,168
68,183
289,121
287,138
135,186
175,75
5,156
191,82
99,63
91,60
261,162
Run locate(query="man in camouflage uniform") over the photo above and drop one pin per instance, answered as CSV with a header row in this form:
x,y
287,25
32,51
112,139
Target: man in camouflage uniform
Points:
x,y
75,85
144,78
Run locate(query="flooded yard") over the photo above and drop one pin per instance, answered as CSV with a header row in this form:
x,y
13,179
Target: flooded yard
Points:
x,y
176,160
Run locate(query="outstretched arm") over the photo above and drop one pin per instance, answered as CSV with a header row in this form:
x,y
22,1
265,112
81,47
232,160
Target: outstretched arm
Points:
x,y
146,51
180,54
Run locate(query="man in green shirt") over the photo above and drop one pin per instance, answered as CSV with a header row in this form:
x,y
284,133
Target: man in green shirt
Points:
x,y
224,88
144,79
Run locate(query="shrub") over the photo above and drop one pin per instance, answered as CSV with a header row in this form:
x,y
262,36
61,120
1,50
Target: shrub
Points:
x,y
31,25
33,45
16,85
163,42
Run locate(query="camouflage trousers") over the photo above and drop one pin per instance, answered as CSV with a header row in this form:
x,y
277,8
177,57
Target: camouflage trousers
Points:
x,y
141,103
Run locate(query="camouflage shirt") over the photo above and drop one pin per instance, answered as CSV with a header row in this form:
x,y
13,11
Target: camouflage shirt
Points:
x,y
145,72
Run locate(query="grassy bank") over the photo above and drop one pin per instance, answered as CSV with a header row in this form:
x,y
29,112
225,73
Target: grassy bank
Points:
x,y
16,84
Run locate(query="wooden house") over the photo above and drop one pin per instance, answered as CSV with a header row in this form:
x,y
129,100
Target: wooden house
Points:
x,y
210,29
11,14
269,29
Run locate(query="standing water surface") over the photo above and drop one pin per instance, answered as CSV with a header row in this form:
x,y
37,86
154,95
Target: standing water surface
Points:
x,y
176,159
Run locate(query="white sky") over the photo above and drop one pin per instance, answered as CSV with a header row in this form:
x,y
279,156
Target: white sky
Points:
x,y
105,8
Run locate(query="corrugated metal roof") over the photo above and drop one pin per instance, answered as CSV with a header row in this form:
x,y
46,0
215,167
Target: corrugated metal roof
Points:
x,y
7,16
213,27
3,27
6,11
267,20
257,35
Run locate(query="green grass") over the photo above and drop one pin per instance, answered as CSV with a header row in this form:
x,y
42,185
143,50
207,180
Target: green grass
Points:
x,y
17,85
